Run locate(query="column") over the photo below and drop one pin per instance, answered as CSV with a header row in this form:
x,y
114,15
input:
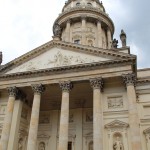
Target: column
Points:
x,y
99,34
32,138
14,133
97,85
53,141
79,128
130,80
13,91
83,30
109,38
68,31
64,116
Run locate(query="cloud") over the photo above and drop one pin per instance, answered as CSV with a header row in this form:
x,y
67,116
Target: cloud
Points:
x,y
26,24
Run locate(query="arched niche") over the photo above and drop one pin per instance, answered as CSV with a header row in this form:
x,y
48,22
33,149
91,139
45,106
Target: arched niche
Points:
x,y
117,135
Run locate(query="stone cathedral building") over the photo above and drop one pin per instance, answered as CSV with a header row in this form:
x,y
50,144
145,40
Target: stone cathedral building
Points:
x,y
78,91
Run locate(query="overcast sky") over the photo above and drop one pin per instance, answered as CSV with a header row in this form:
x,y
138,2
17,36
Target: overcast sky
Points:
x,y
27,24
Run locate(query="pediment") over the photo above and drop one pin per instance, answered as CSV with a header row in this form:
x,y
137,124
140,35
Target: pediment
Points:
x,y
116,123
59,54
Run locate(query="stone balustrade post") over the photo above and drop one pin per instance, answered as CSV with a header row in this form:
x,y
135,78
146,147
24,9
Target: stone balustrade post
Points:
x,y
13,91
64,116
32,138
130,81
97,85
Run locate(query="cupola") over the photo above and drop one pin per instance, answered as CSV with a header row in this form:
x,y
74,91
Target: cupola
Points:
x,y
84,22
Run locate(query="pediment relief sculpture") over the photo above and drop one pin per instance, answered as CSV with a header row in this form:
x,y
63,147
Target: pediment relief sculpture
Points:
x,y
56,57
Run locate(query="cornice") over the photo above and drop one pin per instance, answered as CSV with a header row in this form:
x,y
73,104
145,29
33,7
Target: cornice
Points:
x,y
143,81
84,9
68,69
85,49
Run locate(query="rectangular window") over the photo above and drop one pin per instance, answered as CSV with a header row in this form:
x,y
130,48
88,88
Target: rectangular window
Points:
x,y
69,145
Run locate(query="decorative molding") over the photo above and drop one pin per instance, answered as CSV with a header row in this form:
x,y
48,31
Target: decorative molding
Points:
x,y
97,83
129,79
116,124
38,88
66,86
115,102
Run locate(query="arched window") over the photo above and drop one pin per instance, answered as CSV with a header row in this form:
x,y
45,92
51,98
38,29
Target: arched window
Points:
x,y
78,4
77,41
89,4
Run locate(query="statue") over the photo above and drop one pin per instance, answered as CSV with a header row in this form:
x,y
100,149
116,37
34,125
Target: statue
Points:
x,y
20,144
117,144
115,43
123,38
91,146
41,146
57,29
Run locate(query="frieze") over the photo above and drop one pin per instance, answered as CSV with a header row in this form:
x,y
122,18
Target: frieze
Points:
x,y
64,60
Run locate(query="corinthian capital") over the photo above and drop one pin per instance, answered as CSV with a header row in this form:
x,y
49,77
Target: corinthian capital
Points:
x,y
129,79
38,88
97,83
66,86
13,91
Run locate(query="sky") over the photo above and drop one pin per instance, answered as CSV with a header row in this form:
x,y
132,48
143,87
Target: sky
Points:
x,y
27,24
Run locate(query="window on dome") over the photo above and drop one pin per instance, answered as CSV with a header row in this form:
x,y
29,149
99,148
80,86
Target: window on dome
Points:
x,y
77,41
89,4
78,4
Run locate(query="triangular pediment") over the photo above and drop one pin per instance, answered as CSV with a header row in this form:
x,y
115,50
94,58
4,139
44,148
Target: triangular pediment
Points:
x,y
116,123
59,54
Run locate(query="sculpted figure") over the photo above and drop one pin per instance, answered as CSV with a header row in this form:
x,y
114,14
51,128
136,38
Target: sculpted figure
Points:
x,y
20,144
91,146
123,38
117,144
114,43
41,146
56,29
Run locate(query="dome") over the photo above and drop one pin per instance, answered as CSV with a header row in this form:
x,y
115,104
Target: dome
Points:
x,y
85,22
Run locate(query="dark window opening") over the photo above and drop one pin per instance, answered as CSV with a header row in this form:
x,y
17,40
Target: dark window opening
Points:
x,y
69,145
77,41
77,4
89,4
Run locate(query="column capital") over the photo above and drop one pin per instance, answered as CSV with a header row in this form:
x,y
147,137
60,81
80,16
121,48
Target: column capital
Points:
x,y
68,20
129,79
66,86
83,17
99,21
13,91
97,83
38,88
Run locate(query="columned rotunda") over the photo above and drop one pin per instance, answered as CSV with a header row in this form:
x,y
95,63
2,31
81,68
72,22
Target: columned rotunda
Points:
x,y
79,91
